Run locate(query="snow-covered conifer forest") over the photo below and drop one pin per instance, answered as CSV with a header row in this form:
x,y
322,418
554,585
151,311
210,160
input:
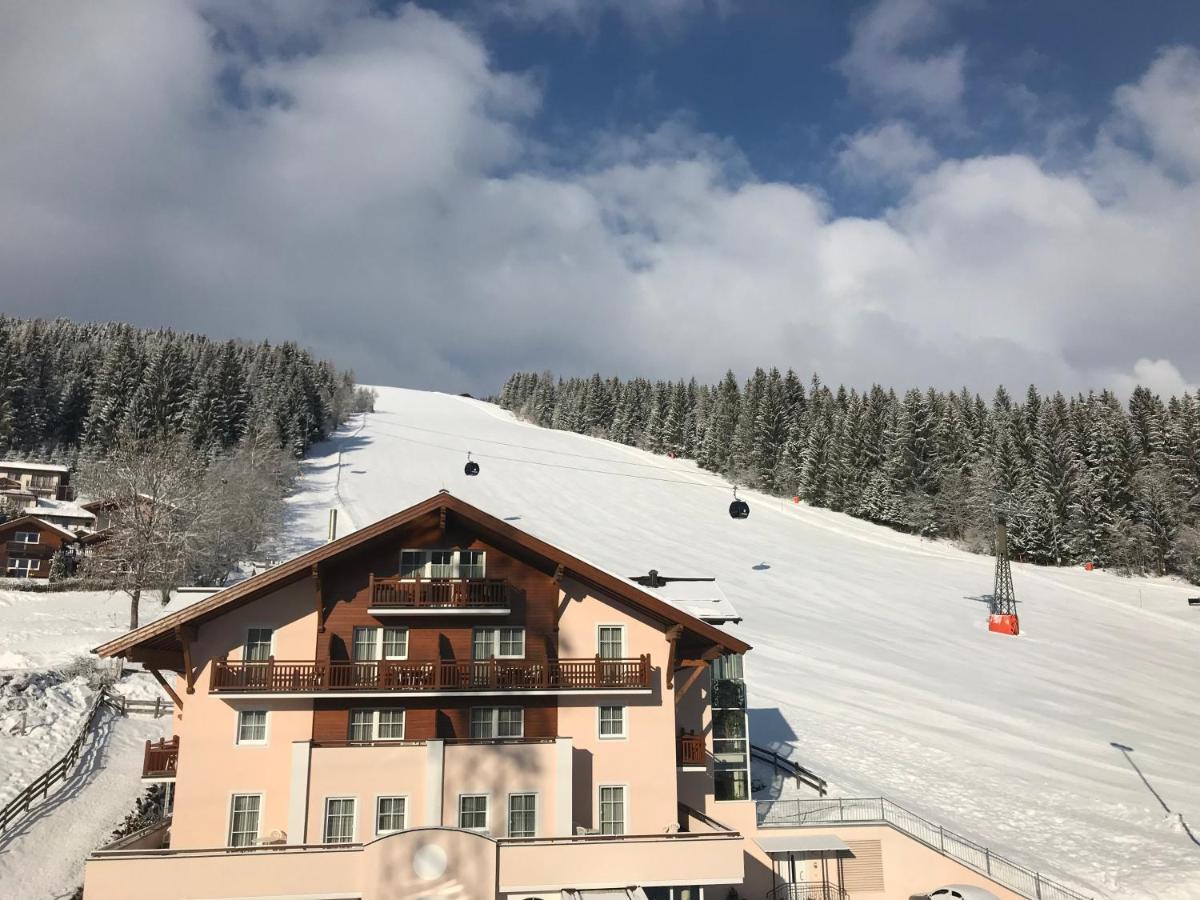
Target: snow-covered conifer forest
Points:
x,y
65,385
1084,477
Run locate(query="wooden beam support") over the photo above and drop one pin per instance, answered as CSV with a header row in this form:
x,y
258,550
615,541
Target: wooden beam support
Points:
x,y
186,634
673,635
320,599
442,519
166,687
697,671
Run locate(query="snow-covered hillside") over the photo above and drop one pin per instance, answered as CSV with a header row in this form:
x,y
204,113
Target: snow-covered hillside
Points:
x,y
872,656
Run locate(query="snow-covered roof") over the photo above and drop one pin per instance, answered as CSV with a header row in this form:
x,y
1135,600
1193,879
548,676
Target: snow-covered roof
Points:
x,y
6,464
699,597
62,508
27,520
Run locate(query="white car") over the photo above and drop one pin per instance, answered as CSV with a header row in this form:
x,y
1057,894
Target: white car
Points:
x,y
962,892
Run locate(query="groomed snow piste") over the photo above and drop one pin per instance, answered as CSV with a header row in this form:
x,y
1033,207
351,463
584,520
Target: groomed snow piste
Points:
x,y
871,655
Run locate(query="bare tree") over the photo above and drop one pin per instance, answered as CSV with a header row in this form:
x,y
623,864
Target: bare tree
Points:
x,y
242,505
155,490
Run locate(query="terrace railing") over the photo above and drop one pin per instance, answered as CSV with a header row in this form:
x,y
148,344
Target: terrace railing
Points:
x,y
807,890
691,750
303,677
842,811
161,758
449,593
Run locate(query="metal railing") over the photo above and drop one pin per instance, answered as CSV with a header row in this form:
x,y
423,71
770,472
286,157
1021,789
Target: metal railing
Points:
x,y
791,768
807,890
835,811
449,593
285,676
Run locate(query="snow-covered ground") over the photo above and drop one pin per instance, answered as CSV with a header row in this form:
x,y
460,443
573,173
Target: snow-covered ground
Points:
x,y
872,657
44,697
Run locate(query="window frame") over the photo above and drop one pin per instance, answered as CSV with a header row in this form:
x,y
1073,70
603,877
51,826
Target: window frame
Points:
x,y
270,644
487,812
237,728
624,788
379,642
624,734
536,809
379,798
600,640
375,724
494,722
233,797
454,566
353,820
23,565
17,539
495,641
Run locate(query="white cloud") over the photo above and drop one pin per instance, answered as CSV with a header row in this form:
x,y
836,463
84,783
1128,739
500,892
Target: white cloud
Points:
x,y
885,60
376,194
891,152
1165,105
1160,376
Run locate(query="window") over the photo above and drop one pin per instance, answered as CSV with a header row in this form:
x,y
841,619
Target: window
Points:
x,y
731,784
612,641
442,564
612,721
497,722
473,812
389,814
243,819
20,568
258,644
26,537
252,726
522,815
339,820
502,643
412,563
376,724
612,809
470,564
372,644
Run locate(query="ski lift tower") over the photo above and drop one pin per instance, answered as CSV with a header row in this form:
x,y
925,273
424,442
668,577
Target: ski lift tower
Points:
x,y
1002,617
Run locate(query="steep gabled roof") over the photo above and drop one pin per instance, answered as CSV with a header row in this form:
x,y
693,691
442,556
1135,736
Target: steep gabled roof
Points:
x,y
42,523
302,566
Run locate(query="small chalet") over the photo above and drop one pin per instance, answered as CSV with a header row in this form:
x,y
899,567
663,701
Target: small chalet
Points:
x,y
40,479
28,544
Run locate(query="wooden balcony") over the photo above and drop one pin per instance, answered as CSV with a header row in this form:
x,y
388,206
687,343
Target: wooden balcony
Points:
x,y
160,760
432,676
691,751
452,594
30,551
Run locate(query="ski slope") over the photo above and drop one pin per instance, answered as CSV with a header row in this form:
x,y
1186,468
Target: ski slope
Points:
x,y
872,657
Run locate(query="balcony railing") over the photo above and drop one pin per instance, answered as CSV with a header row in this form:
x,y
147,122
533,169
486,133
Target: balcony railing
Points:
x,y
808,890
450,593
292,677
161,759
33,551
691,750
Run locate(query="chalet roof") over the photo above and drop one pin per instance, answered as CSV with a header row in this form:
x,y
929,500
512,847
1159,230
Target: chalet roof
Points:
x,y
302,566
8,464
702,597
40,523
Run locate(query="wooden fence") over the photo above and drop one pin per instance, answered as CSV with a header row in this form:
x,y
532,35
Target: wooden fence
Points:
x,y
60,771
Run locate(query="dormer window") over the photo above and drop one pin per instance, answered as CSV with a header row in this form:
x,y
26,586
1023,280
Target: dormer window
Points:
x,y
434,564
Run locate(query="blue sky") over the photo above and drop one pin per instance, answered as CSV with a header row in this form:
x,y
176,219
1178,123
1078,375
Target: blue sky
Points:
x,y
911,192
